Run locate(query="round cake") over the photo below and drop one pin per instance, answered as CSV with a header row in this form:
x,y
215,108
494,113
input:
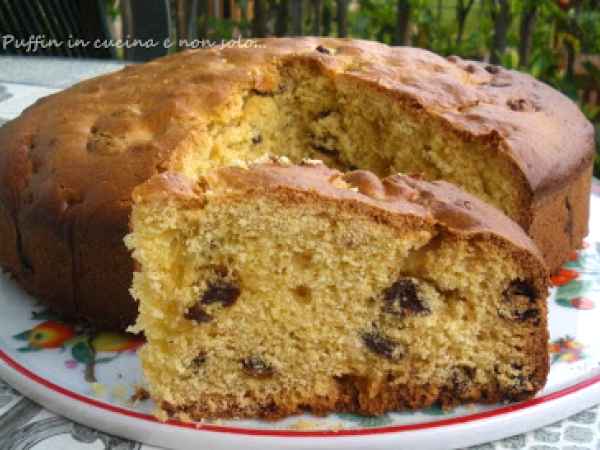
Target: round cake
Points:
x,y
69,163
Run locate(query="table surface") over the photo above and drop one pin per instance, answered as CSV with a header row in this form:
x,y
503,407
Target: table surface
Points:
x,y
26,425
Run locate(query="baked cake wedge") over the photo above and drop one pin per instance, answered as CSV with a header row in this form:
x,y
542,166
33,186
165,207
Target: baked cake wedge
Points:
x,y
270,289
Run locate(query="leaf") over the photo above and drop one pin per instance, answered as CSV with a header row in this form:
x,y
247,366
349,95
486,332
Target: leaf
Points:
x,y
28,349
574,288
375,421
366,421
44,314
592,69
435,410
107,359
579,263
585,262
510,58
75,340
24,336
83,353
243,4
564,302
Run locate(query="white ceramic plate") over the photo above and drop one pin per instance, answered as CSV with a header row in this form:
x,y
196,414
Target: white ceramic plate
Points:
x,y
56,364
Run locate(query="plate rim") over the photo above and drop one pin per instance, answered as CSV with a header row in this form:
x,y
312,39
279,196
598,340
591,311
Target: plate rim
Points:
x,y
286,433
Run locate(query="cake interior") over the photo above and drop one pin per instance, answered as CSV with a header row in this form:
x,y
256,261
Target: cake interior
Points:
x,y
258,306
350,124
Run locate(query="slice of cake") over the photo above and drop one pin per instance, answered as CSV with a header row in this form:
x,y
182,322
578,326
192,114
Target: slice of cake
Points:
x,y
270,289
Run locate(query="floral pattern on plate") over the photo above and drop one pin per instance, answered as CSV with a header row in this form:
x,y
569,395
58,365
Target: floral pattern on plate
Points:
x,y
566,349
86,346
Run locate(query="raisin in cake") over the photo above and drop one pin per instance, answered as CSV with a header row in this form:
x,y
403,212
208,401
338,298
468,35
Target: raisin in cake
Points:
x,y
69,163
270,289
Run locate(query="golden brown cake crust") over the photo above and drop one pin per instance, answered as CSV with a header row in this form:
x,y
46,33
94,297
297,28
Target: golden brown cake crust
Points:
x,y
69,163
389,200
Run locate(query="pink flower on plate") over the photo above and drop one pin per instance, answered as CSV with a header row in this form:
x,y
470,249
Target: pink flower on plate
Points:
x,y
71,364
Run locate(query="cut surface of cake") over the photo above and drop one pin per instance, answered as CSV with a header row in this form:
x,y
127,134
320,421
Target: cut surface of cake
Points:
x,y
69,163
270,289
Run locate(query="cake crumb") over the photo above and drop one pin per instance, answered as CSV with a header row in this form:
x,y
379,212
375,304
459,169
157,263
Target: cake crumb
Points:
x,y
337,427
239,163
140,394
338,182
98,389
312,162
305,425
283,161
161,414
119,392
184,417
266,158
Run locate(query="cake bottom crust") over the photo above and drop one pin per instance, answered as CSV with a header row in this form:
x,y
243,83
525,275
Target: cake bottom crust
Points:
x,y
360,395
353,395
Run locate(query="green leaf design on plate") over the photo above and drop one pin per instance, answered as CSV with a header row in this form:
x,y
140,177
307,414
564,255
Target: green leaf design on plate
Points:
x,y
107,359
435,410
366,421
24,336
587,260
28,349
578,264
579,303
44,314
574,288
564,302
76,340
83,353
